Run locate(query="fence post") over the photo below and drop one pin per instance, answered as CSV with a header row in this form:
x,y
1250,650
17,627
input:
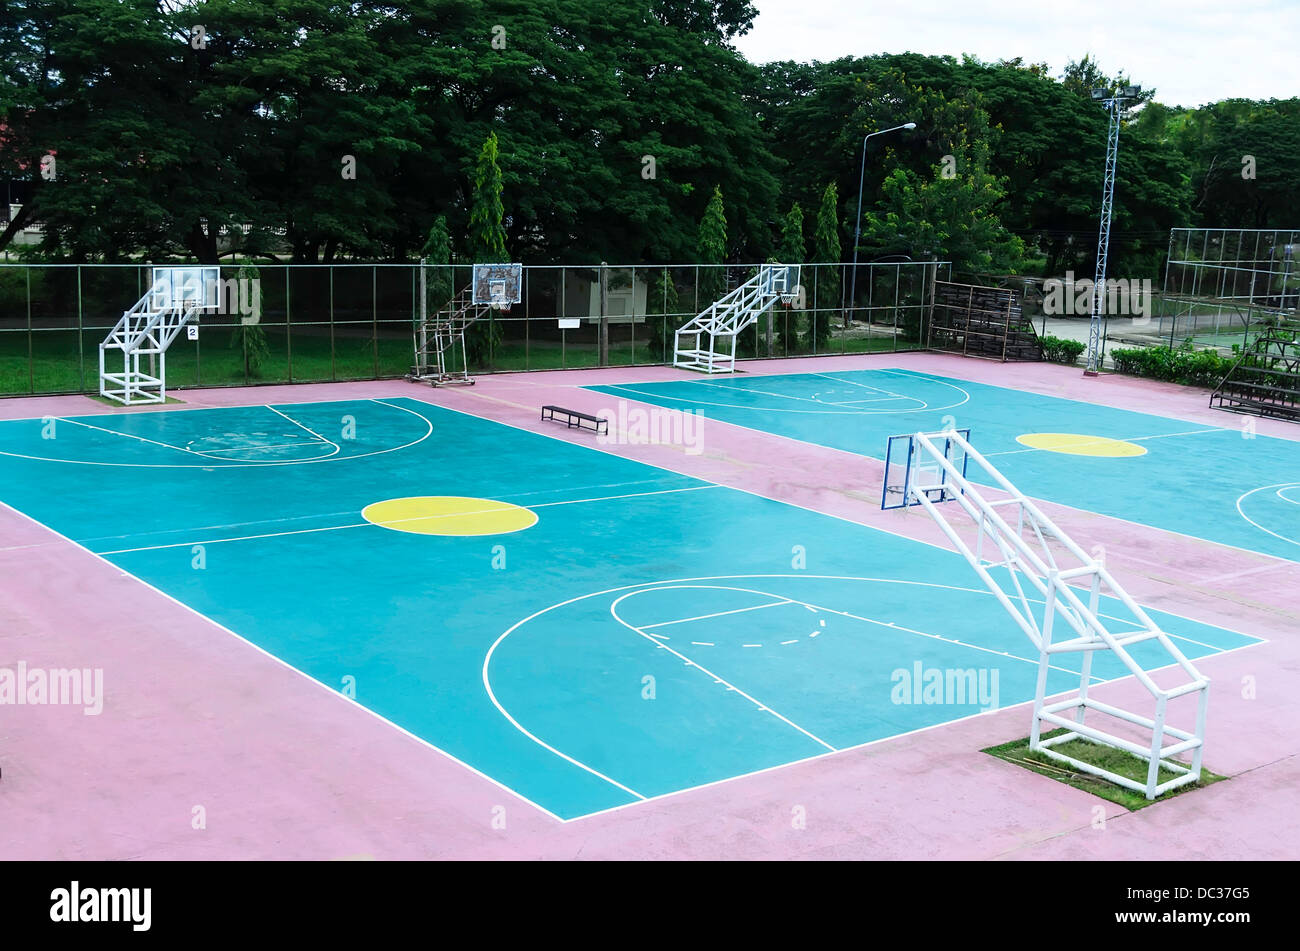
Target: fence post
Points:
x,y
288,325
604,319
81,347
31,369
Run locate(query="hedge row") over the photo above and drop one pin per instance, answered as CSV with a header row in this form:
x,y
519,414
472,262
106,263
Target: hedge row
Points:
x,y
1060,350
1184,365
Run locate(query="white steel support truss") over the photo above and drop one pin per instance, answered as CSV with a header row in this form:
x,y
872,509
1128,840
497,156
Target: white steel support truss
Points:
x,y
148,329
1049,581
708,341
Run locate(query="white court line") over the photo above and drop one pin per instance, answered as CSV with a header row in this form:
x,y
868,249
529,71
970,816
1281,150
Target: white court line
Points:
x,y
226,463
202,454
705,617
644,587
1281,487
1280,559
396,521
631,495
305,428
1102,440
888,625
613,610
745,389
868,386
283,445
114,432
1254,640
848,749
923,407
878,399
337,694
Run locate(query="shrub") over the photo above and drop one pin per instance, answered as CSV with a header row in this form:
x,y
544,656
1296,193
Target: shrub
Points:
x,y
1185,365
1060,350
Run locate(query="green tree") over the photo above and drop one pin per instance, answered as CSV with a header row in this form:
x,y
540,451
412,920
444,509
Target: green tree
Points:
x,y
711,248
487,233
792,246
487,243
250,338
664,310
826,298
949,214
789,322
436,253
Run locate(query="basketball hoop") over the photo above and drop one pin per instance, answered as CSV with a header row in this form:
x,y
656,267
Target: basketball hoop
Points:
x,y
497,285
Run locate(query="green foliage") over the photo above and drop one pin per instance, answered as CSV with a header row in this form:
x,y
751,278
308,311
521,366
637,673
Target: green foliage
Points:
x,y
1185,365
487,233
826,240
664,316
250,338
789,322
950,212
1061,350
436,253
487,245
406,89
711,247
165,151
792,246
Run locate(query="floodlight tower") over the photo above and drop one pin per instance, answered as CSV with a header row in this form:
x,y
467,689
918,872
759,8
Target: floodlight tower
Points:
x,y
1113,100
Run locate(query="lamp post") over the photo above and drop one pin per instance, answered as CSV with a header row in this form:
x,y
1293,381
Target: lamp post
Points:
x,y
1113,101
857,227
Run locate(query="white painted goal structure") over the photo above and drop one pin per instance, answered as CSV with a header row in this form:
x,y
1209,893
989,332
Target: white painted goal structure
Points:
x,y
176,297
1053,589
707,342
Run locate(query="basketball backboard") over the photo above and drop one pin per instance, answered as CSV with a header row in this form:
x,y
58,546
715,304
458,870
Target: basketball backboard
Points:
x,y
173,286
782,279
498,285
909,473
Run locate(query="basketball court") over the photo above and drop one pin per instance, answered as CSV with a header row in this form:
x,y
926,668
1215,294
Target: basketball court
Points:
x,y
604,624
524,620
1223,483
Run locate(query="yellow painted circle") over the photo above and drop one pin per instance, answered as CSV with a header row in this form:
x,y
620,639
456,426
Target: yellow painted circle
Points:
x,y
1076,444
449,515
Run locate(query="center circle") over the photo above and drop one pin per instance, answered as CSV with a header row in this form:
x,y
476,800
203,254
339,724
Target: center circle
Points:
x,y
1077,444
449,515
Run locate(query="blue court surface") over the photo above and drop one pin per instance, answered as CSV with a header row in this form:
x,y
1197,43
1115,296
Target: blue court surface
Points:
x,y
1223,484
586,630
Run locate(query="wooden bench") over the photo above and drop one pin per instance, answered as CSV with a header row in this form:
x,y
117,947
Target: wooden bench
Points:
x,y
572,418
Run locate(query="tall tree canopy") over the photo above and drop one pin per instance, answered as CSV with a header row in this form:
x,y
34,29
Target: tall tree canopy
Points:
x,y
323,130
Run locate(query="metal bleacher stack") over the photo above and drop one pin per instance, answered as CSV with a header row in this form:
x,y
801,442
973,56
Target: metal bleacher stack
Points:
x,y
1265,380
982,322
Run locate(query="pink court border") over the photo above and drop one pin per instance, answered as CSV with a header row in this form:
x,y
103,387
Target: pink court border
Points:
x,y
208,748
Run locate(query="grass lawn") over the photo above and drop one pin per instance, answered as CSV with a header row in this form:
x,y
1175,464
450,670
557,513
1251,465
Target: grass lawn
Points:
x,y
1116,761
62,361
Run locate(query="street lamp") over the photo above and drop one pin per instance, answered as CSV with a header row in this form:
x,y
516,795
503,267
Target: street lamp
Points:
x,y
857,227
1114,103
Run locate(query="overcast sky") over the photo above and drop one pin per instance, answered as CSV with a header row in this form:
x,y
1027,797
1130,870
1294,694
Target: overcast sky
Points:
x,y
1190,51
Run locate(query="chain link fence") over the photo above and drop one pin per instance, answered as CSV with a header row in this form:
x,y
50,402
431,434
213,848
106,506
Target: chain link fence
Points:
x,y
314,323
